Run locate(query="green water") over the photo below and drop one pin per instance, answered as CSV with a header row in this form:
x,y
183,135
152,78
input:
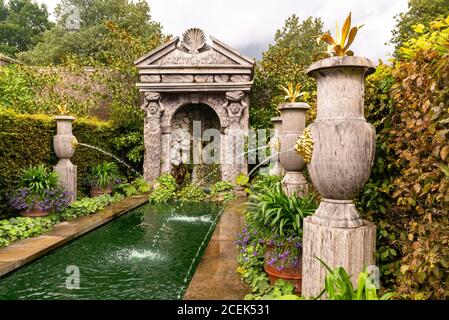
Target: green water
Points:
x,y
145,254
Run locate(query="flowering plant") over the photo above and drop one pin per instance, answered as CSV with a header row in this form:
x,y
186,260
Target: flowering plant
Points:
x,y
279,251
284,251
55,199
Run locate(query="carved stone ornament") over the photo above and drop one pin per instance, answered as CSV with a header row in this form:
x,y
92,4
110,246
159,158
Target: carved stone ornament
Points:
x,y
153,109
193,40
235,105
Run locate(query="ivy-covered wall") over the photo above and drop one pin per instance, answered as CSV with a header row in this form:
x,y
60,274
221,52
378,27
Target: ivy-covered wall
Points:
x,y
28,140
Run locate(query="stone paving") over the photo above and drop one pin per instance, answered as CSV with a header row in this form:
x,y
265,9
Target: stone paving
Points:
x,y
216,277
27,250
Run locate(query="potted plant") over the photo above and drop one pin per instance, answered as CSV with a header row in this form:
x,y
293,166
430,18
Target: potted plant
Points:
x,y
39,193
102,177
279,217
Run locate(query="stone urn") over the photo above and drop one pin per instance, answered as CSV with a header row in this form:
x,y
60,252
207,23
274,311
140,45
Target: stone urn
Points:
x,y
64,143
277,169
293,116
341,142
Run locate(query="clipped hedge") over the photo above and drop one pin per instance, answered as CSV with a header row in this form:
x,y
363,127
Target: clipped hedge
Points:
x,y
28,140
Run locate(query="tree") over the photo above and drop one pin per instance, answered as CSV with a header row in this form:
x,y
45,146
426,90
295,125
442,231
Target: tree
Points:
x,y
93,39
419,11
22,23
284,61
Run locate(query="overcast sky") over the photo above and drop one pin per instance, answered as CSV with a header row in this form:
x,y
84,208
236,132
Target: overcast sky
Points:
x,y
249,25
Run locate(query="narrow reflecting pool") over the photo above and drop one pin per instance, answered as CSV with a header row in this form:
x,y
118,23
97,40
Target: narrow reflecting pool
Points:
x,y
149,253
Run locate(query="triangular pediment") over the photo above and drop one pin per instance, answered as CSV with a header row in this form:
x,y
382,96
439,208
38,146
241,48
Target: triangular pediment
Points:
x,y
174,52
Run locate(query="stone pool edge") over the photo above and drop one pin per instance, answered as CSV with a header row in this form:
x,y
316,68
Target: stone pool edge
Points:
x,y
24,251
216,277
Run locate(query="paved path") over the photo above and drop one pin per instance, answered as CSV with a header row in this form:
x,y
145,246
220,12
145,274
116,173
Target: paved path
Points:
x,y
21,252
216,277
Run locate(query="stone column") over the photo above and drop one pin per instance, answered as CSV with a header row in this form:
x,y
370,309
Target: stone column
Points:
x,y
340,146
293,117
277,169
152,136
64,143
232,153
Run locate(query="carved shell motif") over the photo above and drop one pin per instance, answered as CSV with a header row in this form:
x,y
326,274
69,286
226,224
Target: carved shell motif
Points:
x,y
193,40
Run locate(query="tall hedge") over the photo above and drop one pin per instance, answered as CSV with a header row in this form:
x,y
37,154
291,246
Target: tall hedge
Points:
x,y
408,191
28,140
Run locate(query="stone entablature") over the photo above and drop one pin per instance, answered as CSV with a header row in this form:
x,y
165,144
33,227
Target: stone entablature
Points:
x,y
173,68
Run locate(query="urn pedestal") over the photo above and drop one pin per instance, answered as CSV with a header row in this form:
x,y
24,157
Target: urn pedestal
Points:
x,y
63,144
277,169
340,164
293,116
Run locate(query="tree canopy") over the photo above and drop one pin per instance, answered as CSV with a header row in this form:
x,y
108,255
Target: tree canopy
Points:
x,y
284,61
22,23
419,11
93,39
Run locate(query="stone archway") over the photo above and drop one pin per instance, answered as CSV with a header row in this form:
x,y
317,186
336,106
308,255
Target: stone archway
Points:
x,y
196,142
179,74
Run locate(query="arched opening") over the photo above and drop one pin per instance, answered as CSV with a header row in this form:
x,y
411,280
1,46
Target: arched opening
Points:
x,y
195,145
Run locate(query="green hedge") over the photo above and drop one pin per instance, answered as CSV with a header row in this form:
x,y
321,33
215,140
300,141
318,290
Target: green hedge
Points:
x,y
28,140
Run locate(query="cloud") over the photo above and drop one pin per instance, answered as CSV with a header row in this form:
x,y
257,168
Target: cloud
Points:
x,y
250,25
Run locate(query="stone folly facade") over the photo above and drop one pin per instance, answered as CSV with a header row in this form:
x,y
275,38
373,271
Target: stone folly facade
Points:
x,y
190,86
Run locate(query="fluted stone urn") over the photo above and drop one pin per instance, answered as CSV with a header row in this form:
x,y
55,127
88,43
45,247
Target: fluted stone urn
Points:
x,y
340,146
293,116
277,169
64,143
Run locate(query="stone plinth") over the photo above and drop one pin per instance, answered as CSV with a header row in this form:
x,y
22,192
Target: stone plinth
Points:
x,y
351,248
67,174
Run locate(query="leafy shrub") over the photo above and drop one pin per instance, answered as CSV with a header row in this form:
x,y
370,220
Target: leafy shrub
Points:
x,y
272,208
164,189
406,195
138,186
242,180
191,193
103,174
87,206
38,179
222,191
19,228
338,286
263,181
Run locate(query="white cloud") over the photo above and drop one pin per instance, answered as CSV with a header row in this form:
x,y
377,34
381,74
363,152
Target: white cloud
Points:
x,y
249,25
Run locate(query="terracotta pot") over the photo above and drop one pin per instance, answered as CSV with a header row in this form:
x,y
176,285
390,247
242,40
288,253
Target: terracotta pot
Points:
x,y
96,191
34,212
343,141
291,273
